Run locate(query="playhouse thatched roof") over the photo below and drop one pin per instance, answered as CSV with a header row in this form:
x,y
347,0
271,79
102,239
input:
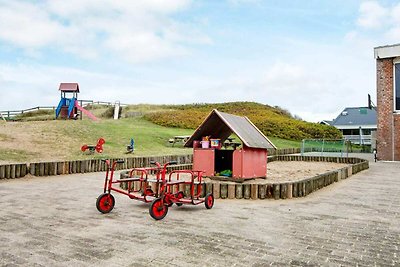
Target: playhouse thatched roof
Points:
x,y
69,87
221,125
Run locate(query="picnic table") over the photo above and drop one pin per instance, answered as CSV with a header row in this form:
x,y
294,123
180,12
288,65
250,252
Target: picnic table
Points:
x,y
179,139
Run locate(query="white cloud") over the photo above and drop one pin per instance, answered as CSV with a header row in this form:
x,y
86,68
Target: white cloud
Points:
x,y
372,15
137,31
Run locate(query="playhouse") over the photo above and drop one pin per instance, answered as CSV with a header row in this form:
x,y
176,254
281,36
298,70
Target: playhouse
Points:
x,y
247,161
68,106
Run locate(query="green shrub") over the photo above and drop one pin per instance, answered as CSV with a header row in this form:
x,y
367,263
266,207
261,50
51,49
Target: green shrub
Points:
x,y
272,121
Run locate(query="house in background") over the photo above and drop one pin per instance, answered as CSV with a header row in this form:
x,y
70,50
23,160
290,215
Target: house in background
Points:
x,y
357,124
388,101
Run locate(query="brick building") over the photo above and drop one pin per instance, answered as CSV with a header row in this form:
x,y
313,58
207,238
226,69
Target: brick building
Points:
x,y
388,101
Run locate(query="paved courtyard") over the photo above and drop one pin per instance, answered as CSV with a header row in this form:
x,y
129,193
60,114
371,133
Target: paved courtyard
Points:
x,y
53,221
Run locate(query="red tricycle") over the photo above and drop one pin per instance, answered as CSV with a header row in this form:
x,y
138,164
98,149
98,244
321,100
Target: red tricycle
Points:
x,y
105,202
165,191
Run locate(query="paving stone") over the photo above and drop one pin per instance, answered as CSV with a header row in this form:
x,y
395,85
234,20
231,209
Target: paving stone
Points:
x,y
55,223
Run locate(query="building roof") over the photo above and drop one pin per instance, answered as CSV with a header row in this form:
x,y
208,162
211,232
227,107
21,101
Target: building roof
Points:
x,y
221,125
387,51
69,87
326,122
356,117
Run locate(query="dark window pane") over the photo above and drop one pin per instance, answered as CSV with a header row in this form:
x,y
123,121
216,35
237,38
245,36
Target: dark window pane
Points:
x,y
397,86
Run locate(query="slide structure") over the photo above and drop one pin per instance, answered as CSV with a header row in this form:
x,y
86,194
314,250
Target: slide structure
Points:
x,y
84,111
60,105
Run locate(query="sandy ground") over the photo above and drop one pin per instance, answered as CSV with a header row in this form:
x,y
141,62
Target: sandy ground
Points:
x,y
297,170
285,171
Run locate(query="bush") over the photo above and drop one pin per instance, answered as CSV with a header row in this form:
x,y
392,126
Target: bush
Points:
x,y
272,121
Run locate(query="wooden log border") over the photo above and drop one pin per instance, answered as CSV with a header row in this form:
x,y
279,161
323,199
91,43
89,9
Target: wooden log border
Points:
x,y
283,190
11,171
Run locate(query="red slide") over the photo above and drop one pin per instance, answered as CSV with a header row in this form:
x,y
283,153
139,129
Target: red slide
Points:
x,y
84,111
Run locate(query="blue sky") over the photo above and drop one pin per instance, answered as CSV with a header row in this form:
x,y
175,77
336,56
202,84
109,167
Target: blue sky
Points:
x,y
311,57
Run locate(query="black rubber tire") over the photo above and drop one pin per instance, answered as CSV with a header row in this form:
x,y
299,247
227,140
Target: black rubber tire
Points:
x,y
158,210
179,204
209,201
105,203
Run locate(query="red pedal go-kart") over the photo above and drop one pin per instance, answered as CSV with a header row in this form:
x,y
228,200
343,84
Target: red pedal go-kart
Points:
x,y
143,192
169,192
164,193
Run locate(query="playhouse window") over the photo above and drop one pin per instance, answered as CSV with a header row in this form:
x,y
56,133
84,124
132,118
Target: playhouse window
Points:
x,y
397,86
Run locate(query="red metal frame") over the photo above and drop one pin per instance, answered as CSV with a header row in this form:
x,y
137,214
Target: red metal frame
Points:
x,y
141,194
165,194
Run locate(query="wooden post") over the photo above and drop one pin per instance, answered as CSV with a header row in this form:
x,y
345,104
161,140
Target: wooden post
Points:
x,y
231,191
246,191
12,171
254,191
277,191
239,191
41,169
262,191
295,189
216,190
289,191
24,170
2,171
283,191
224,190
18,170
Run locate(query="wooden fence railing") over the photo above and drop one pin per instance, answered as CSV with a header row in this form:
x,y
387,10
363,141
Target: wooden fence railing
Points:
x,y
10,114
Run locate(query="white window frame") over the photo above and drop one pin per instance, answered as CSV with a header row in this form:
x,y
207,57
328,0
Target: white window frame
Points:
x,y
395,61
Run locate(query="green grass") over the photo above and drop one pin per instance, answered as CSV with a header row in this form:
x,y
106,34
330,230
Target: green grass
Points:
x,y
282,143
15,155
150,139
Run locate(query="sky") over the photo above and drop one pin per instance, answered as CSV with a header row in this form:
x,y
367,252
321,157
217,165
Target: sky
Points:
x,y
311,57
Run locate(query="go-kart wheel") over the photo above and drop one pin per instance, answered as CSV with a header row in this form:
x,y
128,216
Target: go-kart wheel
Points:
x,y
157,209
179,195
209,201
105,203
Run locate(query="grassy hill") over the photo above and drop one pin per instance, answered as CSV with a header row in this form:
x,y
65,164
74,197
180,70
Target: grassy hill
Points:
x,y
36,136
272,121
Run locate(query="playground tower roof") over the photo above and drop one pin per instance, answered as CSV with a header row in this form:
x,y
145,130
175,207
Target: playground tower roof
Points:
x,y
69,87
221,125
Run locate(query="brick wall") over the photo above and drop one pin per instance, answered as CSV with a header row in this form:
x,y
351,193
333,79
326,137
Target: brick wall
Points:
x,y
388,123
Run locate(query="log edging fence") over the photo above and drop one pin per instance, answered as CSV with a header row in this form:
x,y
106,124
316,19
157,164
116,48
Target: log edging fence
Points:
x,y
11,171
280,190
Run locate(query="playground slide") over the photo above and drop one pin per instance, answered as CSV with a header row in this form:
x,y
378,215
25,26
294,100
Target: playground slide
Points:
x,y
84,111
58,110
71,106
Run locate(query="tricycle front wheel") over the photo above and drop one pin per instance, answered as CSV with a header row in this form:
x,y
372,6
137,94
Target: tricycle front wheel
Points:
x,y
105,203
209,201
158,210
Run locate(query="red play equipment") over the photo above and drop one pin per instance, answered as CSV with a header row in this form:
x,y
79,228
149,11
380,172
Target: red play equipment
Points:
x,y
98,147
165,191
68,107
170,194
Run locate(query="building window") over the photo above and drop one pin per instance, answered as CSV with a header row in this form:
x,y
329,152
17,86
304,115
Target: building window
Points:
x,y
397,86
366,131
